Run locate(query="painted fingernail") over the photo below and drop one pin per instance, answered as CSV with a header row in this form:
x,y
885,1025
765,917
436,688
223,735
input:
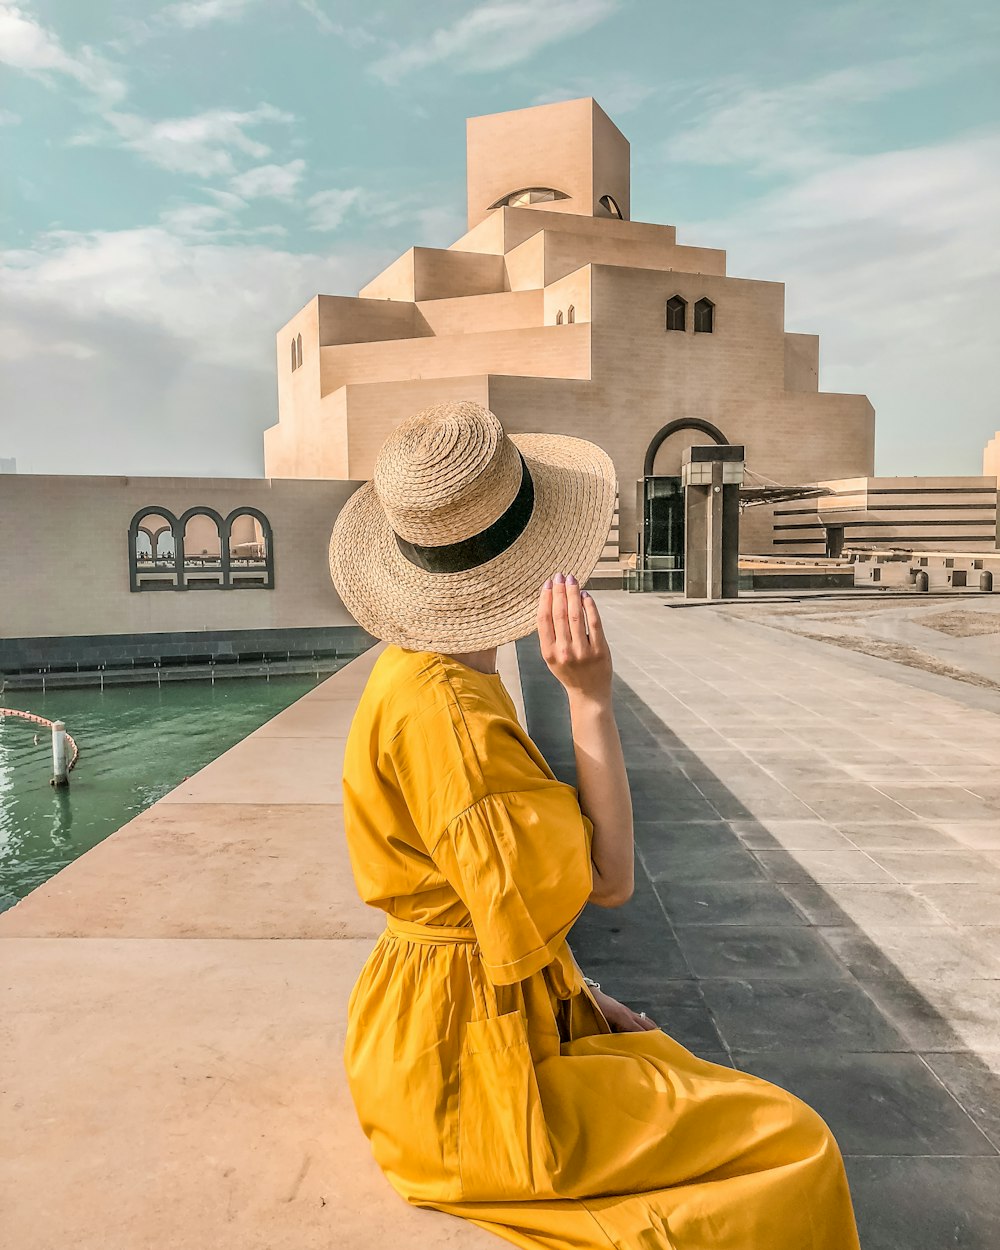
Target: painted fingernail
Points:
x,y
558,579
584,594
570,579
548,584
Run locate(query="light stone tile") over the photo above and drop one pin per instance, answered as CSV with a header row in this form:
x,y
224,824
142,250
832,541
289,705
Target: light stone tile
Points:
x,y
193,1093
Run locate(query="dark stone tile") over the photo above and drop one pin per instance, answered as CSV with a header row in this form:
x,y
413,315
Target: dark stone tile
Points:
x,y
689,859
766,1015
661,795
679,1008
975,1086
726,903
876,1104
631,948
785,953
926,1204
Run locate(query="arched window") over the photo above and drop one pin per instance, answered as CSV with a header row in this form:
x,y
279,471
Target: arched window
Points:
x,y
298,349
570,314
529,195
152,550
294,362
249,546
704,316
677,313
201,535
559,317
610,204
200,550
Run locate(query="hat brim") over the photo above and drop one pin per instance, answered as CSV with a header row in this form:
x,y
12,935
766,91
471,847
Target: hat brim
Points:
x,y
496,602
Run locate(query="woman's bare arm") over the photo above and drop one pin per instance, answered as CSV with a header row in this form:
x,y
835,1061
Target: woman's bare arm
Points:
x,y
575,649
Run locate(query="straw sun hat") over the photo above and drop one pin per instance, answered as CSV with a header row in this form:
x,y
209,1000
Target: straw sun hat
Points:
x,y
446,549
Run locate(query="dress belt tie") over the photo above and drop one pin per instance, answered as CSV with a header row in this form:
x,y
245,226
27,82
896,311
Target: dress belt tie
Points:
x,y
430,934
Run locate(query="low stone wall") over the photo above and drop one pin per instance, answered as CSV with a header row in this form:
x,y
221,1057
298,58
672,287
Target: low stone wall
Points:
x,y
25,657
946,570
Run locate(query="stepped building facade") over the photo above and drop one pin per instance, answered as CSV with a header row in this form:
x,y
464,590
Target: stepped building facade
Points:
x,y
561,314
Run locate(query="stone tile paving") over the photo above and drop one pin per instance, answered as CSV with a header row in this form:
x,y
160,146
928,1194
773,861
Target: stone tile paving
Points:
x,y
818,893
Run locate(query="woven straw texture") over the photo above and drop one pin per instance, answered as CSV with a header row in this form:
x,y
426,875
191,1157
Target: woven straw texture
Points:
x,y
441,476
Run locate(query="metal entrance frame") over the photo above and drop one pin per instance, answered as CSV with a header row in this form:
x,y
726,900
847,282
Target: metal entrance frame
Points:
x,y
659,505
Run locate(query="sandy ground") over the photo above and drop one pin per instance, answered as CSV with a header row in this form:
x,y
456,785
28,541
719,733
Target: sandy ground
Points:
x,y
960,642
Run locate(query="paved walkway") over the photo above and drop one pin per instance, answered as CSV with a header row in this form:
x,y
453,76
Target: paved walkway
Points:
x,y
818,899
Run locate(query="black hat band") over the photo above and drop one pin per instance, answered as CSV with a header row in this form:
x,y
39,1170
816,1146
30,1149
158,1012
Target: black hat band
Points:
x,y
480,548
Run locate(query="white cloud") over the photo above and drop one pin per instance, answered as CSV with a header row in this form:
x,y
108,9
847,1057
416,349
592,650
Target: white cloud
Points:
x,y
789,128
7,118
197,14
328,209
194,219
165,344
269,181
495,35
893,258
201,144
27,45
192,14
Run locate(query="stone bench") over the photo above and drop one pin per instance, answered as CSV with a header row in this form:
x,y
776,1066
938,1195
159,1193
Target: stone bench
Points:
x,y
175,1004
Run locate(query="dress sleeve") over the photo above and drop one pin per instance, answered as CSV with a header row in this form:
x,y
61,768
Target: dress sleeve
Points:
x,y
520,861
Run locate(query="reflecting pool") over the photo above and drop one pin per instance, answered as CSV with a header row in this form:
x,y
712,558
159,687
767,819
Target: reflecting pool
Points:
x,y
136,743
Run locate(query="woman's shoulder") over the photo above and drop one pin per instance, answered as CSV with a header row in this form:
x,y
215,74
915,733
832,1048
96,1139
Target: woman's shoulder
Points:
x,y
429,702
410,683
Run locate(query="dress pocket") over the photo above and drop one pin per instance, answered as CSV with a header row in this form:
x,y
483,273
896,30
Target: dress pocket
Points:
x,y
503,1144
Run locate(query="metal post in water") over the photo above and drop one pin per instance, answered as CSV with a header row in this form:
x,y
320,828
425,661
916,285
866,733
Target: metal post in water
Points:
x,y
60,772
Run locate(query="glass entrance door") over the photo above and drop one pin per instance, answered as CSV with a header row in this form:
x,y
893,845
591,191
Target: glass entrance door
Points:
x,y
663,532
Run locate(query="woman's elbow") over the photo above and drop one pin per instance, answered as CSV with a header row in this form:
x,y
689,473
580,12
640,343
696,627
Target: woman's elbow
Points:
x,y
613,895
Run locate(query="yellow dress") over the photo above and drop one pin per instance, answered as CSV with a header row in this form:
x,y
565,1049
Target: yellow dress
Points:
x,y
484,1075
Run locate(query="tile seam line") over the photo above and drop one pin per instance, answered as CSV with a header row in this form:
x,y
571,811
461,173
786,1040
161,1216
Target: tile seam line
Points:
x,y
954,1097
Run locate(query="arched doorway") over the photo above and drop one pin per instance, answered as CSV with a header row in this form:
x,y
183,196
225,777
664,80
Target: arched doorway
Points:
x,y
675,430
661,552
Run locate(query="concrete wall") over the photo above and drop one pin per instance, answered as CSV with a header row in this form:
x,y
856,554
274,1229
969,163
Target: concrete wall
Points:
x,y
571,146
505,228
537,351
64,565
801,362
436,273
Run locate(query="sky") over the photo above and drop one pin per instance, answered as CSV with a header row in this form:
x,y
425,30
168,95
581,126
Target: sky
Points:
x,y
180,178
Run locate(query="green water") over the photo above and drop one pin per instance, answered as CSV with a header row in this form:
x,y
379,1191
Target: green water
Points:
x,y
136,743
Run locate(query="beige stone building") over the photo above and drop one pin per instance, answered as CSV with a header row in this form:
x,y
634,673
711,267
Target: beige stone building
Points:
x,y
557,311
562,314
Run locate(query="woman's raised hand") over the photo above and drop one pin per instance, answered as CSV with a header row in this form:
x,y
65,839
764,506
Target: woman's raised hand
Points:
x,y
572,638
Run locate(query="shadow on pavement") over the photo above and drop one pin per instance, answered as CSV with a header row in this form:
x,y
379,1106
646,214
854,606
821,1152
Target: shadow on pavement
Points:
x,y
719,954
